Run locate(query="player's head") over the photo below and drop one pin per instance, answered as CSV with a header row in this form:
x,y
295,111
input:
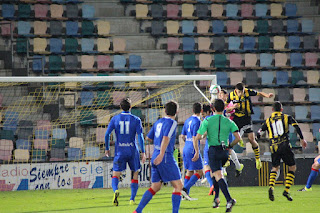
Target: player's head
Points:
x,y
223,94
239,89
218,105
277,106
206,109
125,104
171,108
197,108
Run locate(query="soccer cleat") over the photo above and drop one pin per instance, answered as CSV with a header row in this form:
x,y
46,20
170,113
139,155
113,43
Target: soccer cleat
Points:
x,y
226,164
287,195
241,144
211,192
185,195
238,172
204,180
115,198
258,163
230,204
132,203
216,203
271,196
305,189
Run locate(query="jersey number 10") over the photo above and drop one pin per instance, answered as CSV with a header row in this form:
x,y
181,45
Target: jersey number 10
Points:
x,y
124,127
277,128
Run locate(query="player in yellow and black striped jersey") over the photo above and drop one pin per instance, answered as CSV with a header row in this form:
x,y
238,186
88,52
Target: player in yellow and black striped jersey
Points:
x,y
242,116
278,129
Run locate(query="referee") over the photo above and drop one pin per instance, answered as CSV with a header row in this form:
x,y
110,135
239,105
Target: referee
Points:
x,y
218,128
242,115
278,128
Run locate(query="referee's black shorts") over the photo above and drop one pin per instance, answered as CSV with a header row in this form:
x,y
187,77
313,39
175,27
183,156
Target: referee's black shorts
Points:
x,y
244,124
282,151
217,157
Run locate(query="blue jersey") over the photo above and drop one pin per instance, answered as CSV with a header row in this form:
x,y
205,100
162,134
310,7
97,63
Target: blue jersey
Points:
x,y
190,128
206,149
163,127
126,127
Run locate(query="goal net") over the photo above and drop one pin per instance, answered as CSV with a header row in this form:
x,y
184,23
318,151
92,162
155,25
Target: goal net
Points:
x,y
53,128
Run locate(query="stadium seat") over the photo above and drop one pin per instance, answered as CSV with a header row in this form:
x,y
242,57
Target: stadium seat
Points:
x,y
314,94
103,27
315,112
189,61
100,134
235,60
204,44
287,110
220,60
103,62
57,154
71,45
87,28
261,10
119,62
87,117
301,112
234,43
295,59
88,11
232,26
188,44
313,77
172,11
55,45
294,42
87,45
57,143
252,78
8,11
311,59
216,10
72,11
218,44
135,96
86,98
231,10
72,28
142,11
41,134
59,133
69,99
103,117
76,142
202,10
246,10
24,28
292,26
279,42
222,78
266,60
284,95
172,27
247,26
249,43
44,125
263,42
40,45
309,42
280,60
6,28
41,11
92,153
257,114
38,63
173,44
157,27
265,100
276,10
277,26
217,27
21,155
40,28
71,62
306,26
135,62
299,95
119,84
187,27
267,112
203,27
103,45
250,60
39,155
297,77
235,77
262,26
6,147
56,28
187,10
316,130
74,154
40,144
7,134
56,11
156,11
87,62
25,130
282,78
117,96
23,144
152,115
291,9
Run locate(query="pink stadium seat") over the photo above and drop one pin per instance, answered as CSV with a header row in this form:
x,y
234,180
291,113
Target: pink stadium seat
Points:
x,y
43,125
40,144
267,112
232,26
236,77
172,10
103,62
100,133
40,10
173,44
204,83
235,60
5,28
204,62
246,10
255,99
311,59
6,147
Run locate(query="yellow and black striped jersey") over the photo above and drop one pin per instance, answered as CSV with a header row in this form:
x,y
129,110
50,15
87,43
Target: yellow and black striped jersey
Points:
x,y
278,127
244,101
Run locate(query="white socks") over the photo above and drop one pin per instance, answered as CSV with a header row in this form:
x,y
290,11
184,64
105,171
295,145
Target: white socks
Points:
x,y
234,158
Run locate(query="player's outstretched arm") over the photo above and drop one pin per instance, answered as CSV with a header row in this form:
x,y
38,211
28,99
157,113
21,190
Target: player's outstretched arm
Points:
x,y
164,144
266,95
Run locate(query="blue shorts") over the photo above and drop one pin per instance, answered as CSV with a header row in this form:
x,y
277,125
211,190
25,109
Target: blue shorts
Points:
x,y
189,164
120,162
166,171
217,157
205,155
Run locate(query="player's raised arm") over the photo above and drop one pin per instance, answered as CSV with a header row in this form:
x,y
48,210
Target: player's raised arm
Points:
x,y
265,95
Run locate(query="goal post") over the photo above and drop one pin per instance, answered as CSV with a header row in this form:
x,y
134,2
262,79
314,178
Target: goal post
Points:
x,y
62,120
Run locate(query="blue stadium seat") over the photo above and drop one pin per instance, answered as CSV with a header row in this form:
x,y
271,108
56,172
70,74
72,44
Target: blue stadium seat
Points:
x,y
87,45
292,26
234,43
187,27
295,59
231,10
282,78
314,94
24,28
217,26
267,78
188,44
92,152
71,62
306,26
249,43
56,45
265,60
135,62
218,43
301,112
74,154
59,133
202,10
8,11
156,10
41,134
157,27
291,9
23,144
119,62
257,114
315,112
72,28
86,98
309,42
316,130
88,11
222,78
38,62
294,42
261,10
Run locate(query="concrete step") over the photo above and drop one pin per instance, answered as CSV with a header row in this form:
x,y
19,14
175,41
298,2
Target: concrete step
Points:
x,y
307,10
154,58
316,22
139,42
163,71
123,25
107,8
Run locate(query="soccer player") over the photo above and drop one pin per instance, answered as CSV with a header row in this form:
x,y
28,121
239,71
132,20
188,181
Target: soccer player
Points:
x,y
228,112
313,174
218,128
164,166
191,153
126,127
242,115
278,128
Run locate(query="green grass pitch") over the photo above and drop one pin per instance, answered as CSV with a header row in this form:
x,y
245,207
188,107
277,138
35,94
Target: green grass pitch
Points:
x,y
249,199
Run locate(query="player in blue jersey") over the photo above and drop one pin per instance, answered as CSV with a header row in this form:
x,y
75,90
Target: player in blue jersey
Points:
x,y
126,127
164,166
313,174
192,159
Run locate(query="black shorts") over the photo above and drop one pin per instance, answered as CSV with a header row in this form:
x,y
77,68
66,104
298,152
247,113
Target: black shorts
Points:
x,y
217,157
282,151
244,124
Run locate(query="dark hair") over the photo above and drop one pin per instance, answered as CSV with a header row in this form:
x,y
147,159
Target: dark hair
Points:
x,y
171,108
125,104
224,91
197,107
240,86
206,108
218,105
277,106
